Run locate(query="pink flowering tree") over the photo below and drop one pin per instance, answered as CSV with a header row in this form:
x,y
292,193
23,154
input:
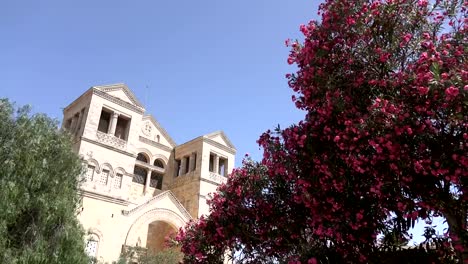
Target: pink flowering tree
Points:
x,y
383,143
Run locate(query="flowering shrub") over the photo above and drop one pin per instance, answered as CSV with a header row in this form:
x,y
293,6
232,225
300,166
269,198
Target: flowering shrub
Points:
x,y
383,143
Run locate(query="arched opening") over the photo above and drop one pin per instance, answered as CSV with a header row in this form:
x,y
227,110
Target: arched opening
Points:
x,y
140,172
156,180
142,157
92,245
159,163
158,232
138,232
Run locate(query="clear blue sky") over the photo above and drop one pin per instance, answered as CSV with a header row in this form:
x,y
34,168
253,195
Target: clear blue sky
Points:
x,y
208,64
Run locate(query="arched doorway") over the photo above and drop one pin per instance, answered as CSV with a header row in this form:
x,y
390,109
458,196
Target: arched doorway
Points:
x,y
158,232
154,220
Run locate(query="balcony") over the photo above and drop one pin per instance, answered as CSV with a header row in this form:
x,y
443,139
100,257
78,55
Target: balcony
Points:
x,y
217,178
111,140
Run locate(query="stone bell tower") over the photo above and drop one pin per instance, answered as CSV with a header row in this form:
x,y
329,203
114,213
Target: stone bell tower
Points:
x,y
200,166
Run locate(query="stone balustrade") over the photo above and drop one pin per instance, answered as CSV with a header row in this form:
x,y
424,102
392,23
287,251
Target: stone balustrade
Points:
x,y
111,140
217,178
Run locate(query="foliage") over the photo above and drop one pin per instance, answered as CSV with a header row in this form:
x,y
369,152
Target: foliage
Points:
x,y
142,256
383,143
38,191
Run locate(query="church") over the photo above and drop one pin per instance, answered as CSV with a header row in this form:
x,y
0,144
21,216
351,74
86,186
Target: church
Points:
x,y
139,185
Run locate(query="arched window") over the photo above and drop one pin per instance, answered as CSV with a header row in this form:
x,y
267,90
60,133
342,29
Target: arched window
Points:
x,y
139,172
159,163
92,245
142,157
104,177
90,173
139,175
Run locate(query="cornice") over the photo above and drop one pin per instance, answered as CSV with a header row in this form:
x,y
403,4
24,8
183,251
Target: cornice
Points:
x,y
223,136
76,101
108,147
154,144
123,87
118,101
219,145
103,197
211,142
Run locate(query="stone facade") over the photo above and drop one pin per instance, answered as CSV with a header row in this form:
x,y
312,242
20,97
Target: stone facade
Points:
x,y
139,185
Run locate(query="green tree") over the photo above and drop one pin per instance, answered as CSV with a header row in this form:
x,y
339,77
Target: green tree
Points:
x,y
38,190
170,255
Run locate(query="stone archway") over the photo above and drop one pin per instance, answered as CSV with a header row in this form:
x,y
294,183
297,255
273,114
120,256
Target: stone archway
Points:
x,y
138,232
158,231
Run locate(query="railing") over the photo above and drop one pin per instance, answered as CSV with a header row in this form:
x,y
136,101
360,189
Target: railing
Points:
x,y
217,178
140,179
111,140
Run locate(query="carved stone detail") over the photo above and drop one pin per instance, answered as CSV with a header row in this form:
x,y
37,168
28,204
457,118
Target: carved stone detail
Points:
x,y
147,129
217,178
111,140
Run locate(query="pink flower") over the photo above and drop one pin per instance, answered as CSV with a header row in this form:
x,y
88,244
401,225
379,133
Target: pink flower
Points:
x,y
406,39
384,57
422,3
451,92
312,261
423,90
350,21
304,29
424,56
359,216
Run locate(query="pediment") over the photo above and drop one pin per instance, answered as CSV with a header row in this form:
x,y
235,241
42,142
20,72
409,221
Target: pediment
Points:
x,y
151,129
221,138
165,200
120,91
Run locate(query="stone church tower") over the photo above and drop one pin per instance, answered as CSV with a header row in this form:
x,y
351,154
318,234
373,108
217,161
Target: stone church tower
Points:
x,y
139,184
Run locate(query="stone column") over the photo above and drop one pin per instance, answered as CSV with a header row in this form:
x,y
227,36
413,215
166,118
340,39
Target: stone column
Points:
x,y
192,161
113,123
79,123
148,180
73,124
83,119
182,166
216,164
